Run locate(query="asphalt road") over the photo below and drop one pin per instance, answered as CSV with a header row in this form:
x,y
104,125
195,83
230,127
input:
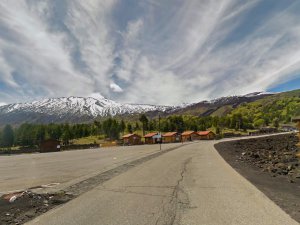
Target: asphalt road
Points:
x,y
18,172
187,186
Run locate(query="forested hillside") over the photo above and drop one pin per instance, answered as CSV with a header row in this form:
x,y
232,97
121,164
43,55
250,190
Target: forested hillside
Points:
x,y
279,108
272,110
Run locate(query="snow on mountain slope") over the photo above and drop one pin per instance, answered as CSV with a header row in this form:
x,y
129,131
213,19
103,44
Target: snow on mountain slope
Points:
x,y
93,106
230,99
80,109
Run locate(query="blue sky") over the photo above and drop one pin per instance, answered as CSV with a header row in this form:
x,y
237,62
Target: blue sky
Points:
x,y
287,86
147,51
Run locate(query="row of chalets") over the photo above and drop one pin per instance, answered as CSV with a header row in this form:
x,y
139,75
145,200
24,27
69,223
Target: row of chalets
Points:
x,y
169,137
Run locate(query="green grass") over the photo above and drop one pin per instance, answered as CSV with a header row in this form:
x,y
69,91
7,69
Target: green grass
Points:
x,y
99,139
11,148
242,132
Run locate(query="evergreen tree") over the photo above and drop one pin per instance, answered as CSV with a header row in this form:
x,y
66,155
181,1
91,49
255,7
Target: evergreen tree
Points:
x,y
40,134
129,128
122,126
111,129
7,136
137,126
144,120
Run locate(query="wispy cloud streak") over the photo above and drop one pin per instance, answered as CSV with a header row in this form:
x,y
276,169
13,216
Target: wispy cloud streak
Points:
x,y
161,52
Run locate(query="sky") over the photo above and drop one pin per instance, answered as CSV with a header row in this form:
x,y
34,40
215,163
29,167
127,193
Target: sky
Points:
x,y
147,51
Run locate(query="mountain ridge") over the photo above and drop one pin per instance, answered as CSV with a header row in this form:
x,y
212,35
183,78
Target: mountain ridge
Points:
x,y
84,109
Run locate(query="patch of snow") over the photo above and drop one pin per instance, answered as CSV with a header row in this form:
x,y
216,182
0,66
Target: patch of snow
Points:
x,y
95,105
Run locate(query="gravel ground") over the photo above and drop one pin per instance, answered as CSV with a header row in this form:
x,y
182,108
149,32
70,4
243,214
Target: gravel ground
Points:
x,y
19,208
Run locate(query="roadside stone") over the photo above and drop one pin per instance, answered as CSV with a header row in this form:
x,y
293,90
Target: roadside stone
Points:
x,y
277,156
28,205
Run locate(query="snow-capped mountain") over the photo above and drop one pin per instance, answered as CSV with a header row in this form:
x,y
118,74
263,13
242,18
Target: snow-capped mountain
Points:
x,y
234,98
80,109
71,109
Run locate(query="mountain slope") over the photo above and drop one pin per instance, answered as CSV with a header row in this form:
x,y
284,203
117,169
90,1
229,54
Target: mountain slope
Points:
x,y
282,107
71,109
219,106
79,109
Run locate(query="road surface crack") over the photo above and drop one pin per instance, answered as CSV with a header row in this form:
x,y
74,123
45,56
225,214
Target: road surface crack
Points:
x,y
179,201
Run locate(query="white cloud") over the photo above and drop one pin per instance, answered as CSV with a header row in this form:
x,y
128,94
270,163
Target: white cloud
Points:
x,y
115,88
42,56
168,52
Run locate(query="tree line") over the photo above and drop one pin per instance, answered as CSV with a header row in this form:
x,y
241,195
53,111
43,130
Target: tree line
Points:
x,y
111,128
33,134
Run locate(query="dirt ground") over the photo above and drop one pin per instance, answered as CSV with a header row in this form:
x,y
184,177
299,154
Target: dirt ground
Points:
x,y
19,208
284,193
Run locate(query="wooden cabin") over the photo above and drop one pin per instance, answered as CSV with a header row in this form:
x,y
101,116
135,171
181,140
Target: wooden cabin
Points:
x,y
171,137
152,138
206,135
189,136
50,145
132,139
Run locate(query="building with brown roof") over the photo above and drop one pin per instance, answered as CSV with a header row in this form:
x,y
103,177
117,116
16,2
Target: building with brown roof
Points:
x,y
206,135
189,136
132,139
171,137
152,138
50,145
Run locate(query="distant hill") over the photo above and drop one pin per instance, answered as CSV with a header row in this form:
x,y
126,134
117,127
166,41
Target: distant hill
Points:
x,y
282,107
79,109
218,107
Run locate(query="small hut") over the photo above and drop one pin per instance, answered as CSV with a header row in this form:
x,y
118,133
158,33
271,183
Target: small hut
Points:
x,y
132,139
206,135
171,137
152,138
189,136
50,145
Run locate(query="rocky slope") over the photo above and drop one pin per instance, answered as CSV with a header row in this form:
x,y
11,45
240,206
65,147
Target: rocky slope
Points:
x,y
276,155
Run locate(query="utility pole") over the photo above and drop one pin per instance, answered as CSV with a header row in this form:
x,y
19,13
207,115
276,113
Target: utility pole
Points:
x,y
159,132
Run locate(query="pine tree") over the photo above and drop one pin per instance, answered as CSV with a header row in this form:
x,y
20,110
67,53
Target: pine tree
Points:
x,y
129,128
7,136
122,126
144,120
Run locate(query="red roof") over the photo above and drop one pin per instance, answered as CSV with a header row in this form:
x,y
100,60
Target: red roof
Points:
x,y
150,135
130,135
187,133
204,133
169,134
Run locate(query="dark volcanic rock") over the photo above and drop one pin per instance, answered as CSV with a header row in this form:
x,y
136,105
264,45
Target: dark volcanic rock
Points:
x,y
275,154
28,205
